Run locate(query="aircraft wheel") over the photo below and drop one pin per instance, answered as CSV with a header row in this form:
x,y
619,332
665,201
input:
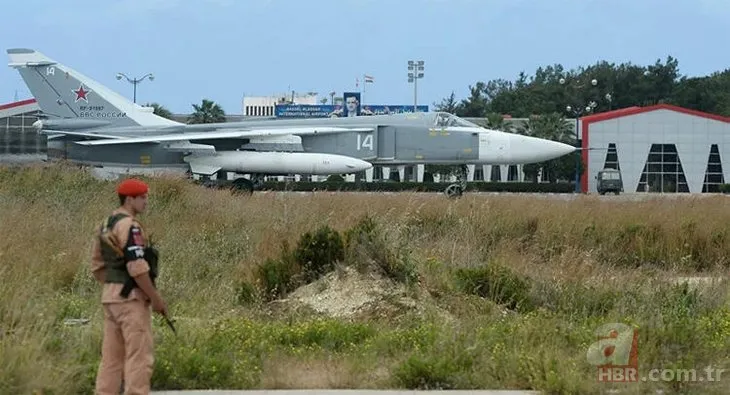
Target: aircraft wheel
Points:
x,y
242,186
453,191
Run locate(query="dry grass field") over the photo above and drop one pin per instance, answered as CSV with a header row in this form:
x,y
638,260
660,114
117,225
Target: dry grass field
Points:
x,y
329,290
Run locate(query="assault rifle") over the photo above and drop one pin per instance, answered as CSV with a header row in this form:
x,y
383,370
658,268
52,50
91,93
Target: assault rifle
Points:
x,y
151,256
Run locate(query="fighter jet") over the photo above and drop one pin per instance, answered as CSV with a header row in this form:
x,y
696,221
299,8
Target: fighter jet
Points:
x,y
89,124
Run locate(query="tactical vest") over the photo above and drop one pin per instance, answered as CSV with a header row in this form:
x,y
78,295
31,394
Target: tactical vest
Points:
x,y
113,253
114,261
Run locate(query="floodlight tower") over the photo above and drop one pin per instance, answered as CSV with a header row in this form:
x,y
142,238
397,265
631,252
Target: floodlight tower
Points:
x,y
135,81
415,72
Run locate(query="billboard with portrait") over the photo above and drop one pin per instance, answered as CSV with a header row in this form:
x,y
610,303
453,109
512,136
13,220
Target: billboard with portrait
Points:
x,y
351,107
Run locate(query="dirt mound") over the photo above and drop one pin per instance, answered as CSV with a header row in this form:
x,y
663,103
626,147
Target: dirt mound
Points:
x,y
347,292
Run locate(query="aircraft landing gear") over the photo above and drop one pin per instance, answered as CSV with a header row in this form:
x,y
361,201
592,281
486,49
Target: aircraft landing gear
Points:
x,y
456,189
242,186
247,186
453,191
238,186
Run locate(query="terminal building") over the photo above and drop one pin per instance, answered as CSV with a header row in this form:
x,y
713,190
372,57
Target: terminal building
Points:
x,y
265,106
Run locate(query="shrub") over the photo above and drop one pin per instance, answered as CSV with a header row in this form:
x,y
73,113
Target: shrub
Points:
x,y
368,247
327,334
277,277
443,368
496,283
431,373
362,232
317,252
247,293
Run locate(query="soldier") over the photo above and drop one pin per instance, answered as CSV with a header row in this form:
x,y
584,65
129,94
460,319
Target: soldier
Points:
x,y
126,265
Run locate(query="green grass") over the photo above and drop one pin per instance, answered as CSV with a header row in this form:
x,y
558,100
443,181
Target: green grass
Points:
x,y
506,291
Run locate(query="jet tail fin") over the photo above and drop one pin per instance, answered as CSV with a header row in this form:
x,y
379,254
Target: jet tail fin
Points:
x,y
27,57
65,93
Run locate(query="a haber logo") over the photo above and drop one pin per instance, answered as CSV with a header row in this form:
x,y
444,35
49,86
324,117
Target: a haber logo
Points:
x,y
616,353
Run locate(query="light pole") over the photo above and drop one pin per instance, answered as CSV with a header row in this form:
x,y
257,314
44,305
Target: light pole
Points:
x,y
577,112
135,81
415,72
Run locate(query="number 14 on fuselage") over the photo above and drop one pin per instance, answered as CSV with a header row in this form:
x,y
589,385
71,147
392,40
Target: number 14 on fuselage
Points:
x,y
364,142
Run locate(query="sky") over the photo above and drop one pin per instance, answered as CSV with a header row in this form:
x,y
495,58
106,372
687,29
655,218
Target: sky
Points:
x,y
224,50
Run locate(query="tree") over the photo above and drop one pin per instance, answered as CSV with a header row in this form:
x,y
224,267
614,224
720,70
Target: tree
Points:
x,y
712,93
448,104
627,85
160,110
552,126
207,112
496,121
542,99
476,104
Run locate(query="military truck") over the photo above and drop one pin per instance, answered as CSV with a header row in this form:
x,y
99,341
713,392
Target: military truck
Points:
x,y
609,180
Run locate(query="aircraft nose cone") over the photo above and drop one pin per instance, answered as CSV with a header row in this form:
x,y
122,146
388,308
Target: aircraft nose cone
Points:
x,y
532,149
561,149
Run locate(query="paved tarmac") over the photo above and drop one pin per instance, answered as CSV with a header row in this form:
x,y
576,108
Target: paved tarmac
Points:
x,y
20,159
629,197
346,392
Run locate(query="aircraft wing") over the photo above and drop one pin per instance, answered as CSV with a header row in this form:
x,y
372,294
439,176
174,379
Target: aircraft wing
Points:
x,y
83,134
223,134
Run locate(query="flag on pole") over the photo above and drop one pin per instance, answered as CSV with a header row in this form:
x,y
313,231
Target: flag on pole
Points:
x,y
369,79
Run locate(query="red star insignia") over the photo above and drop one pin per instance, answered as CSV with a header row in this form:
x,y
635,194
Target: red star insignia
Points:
x,y
81,93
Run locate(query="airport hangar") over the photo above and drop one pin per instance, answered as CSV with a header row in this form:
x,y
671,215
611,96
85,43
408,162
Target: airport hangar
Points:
x,y
18,137
661,148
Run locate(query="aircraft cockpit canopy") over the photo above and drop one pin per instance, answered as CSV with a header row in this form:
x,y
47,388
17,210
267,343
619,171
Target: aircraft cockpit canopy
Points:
x,y
444,119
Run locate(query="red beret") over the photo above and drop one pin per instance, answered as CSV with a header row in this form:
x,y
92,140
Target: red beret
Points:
x,y
132,187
